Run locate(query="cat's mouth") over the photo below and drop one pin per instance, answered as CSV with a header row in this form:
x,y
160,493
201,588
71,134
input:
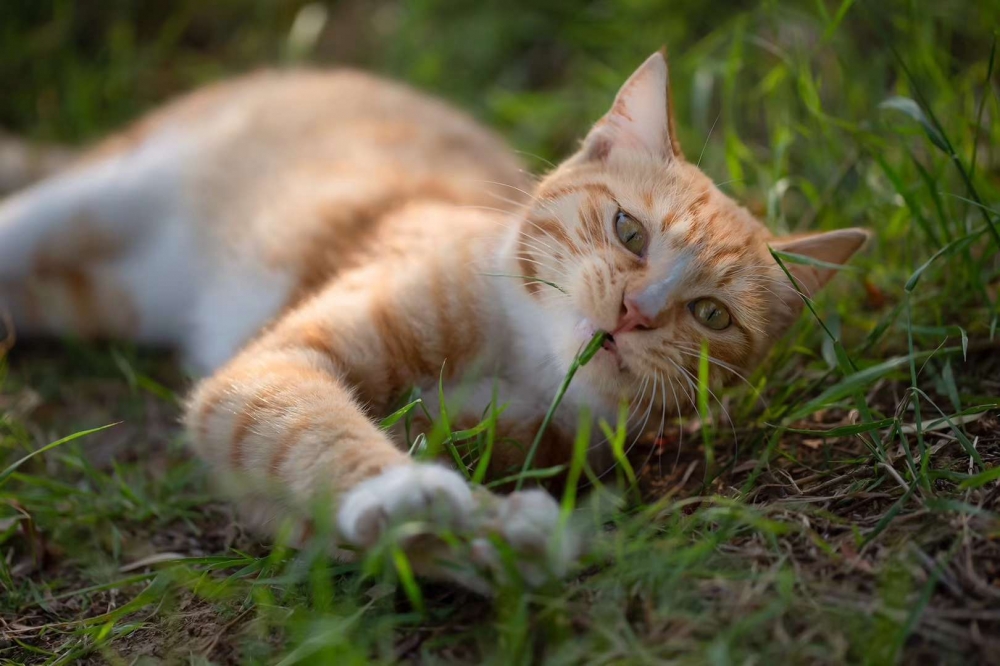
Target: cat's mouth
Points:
x,y
609,352
612,349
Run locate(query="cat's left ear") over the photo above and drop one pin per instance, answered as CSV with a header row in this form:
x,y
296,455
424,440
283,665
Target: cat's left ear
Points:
x,y
641,119
830,247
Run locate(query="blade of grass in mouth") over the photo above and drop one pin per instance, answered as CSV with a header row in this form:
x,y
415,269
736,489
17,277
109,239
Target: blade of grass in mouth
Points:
x,y
582,358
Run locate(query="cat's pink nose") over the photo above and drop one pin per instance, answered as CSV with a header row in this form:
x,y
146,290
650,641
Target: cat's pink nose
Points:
x,y
632,319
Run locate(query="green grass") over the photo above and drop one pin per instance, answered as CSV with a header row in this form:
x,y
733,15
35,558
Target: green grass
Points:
x,y
849,513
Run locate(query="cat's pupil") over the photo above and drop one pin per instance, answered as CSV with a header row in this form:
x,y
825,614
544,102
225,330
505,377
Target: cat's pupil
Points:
x,y
710,313
629,232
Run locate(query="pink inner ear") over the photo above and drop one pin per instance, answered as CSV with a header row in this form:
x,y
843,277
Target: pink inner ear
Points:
x,y
637,120
832,247
640,109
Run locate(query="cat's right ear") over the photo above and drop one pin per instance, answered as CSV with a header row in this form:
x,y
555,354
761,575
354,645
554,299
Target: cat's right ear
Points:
x,y
832,248
641,119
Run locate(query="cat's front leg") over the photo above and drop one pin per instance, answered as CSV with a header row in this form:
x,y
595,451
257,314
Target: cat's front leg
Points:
x,y
289,415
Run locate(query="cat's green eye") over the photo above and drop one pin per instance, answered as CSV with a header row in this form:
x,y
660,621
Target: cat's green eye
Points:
x,y
711,313
630,233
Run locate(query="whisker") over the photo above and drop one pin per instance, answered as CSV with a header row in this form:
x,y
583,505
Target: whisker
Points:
x,y
653,448
633,408
543,265
659,430
680,425
639,431
510,224
513,187
539,245
725,411
537,157
708,138
551,298
522,205
727,182
494,209
638,403
687,351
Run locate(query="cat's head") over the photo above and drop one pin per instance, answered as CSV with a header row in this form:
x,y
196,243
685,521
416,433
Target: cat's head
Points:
x,y
628,237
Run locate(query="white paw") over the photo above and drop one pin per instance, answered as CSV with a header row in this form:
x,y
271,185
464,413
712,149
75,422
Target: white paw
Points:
x,y
541,548
419,492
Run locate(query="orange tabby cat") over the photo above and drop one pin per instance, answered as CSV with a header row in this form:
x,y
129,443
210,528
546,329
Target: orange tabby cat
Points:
x,y
319,243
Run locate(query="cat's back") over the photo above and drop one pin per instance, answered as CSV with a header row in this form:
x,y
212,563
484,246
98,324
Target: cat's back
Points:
x,y
202,220
278,165
345,123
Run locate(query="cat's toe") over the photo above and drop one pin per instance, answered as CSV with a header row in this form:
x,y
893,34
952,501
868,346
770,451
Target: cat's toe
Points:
x,y
541,547
520,536
420,492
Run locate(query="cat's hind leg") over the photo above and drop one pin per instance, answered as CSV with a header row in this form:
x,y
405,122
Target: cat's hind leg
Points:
x,y
103,249
23,163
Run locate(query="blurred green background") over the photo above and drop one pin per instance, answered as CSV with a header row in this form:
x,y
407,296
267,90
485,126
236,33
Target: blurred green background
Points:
x,y
778,100
539,70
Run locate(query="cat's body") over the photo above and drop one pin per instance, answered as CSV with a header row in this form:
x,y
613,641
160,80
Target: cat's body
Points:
x,y
366,239
247,195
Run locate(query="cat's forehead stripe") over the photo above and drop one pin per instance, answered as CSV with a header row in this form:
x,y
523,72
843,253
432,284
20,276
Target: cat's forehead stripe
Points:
x,y
669,220
566,190
702,200
592,219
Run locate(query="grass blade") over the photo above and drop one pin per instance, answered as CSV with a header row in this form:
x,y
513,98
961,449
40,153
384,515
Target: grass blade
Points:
x,y
582,359
48,447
